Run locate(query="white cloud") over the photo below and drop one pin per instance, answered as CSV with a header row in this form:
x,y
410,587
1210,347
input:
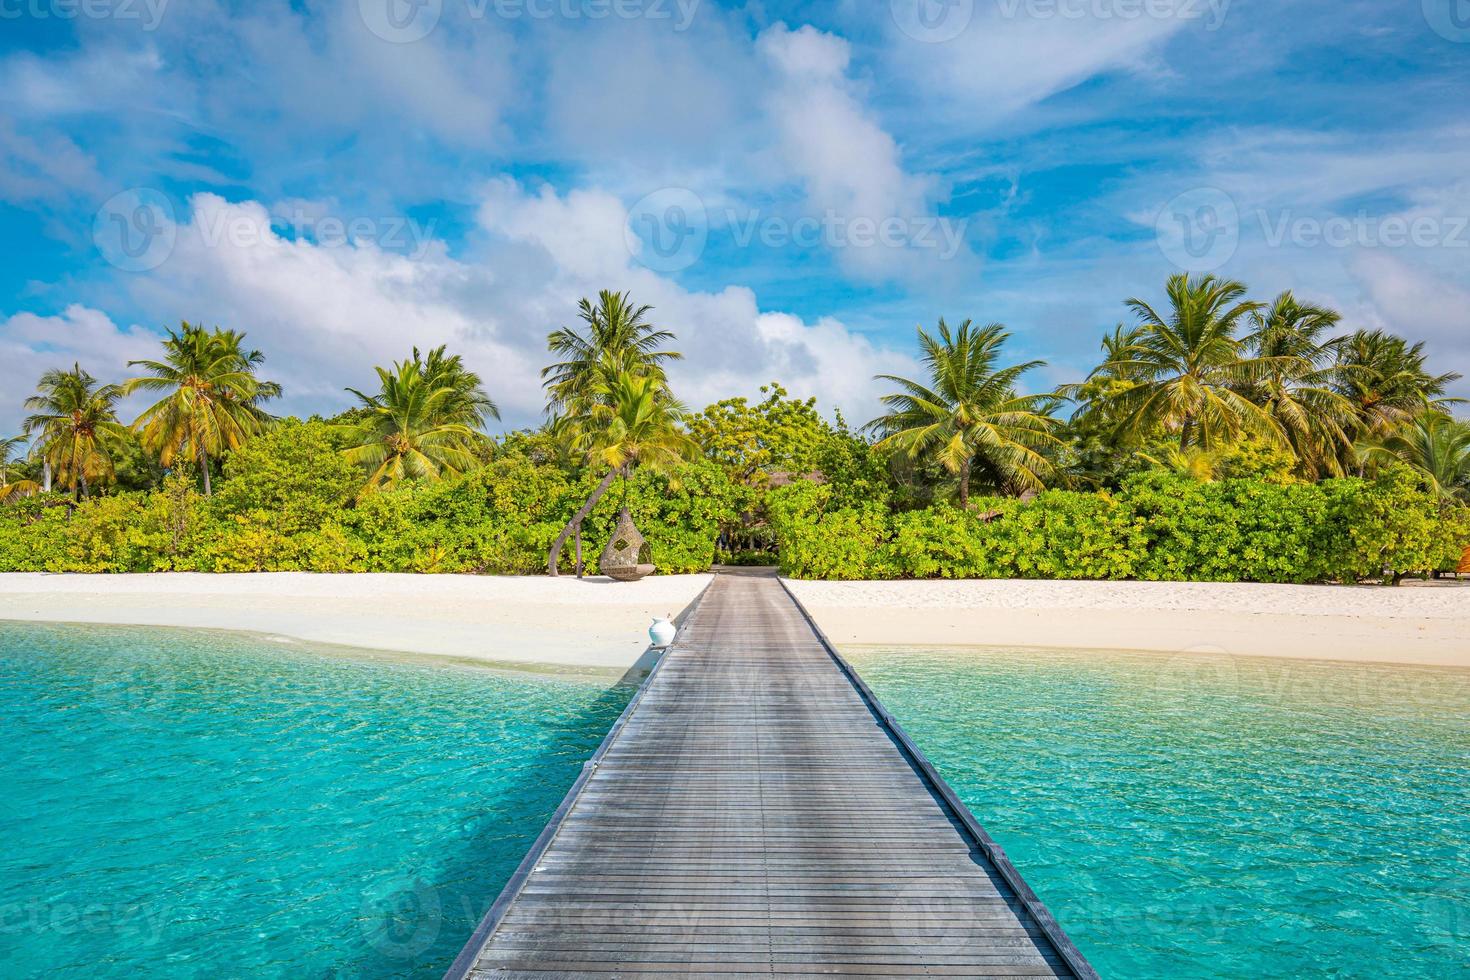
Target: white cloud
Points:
x,y
851,168
31,345
1008,58
325,313
1419,305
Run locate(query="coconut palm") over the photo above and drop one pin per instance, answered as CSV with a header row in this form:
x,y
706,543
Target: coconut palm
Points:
x,y
469,402
631,421
212,397
1435,446
969,416
74,427
1385,379
1295,388
13,490
1188,366
617,339
416,427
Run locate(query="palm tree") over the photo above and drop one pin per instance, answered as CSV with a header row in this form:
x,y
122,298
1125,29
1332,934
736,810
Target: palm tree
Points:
x,y
1295,387
20,488
1187,368
969,414
632,421
74,426
212,401
1385,380
415,428
618,339
469,402
1435,446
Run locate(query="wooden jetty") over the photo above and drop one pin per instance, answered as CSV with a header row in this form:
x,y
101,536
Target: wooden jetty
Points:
x,y
756,812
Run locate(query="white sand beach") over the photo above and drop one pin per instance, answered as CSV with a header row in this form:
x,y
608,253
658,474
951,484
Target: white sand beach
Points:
x,y
597,622
592,622
1413,623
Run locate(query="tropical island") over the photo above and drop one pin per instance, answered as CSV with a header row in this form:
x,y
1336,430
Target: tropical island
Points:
x,y
1219,440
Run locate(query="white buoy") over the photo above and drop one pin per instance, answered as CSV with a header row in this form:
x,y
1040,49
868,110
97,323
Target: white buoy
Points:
x,y
662,632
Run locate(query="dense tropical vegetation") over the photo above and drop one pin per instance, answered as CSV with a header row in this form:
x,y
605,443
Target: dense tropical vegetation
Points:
x,y
1219,438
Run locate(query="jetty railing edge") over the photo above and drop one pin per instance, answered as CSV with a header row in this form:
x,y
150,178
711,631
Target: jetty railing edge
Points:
x,y
1035,907
465,961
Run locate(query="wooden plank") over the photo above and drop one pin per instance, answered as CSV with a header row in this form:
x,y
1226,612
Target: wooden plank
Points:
x,y
756,812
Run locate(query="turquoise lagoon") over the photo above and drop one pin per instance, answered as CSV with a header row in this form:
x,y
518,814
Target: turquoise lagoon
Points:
x,y
1208,816
190,804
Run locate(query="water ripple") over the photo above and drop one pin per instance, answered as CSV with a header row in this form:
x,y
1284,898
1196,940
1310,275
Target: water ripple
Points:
x,y
1207,816
183,804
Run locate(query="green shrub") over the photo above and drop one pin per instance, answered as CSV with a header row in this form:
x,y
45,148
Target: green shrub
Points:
x,y
820,543
1159,526
1392,527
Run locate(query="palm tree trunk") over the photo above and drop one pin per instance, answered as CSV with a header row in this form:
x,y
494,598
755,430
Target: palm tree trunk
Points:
x,y
204,468
576,521
81,488
46,475
965,485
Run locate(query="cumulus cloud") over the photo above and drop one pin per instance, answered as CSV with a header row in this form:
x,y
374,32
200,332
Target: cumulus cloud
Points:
x,y
1420,305
325,312
31,345
850,166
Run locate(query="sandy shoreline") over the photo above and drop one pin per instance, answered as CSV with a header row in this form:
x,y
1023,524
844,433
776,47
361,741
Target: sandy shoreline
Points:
x,y
1412,625
599,623
593,622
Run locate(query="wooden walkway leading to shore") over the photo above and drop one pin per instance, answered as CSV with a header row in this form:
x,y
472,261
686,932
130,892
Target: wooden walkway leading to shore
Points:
x,y
755,812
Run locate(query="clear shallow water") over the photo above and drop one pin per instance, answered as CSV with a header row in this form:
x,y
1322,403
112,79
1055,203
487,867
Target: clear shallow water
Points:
x,y
188,804
1204,816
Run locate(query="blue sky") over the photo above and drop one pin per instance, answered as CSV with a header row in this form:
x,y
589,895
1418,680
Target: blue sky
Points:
x,y
794,186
